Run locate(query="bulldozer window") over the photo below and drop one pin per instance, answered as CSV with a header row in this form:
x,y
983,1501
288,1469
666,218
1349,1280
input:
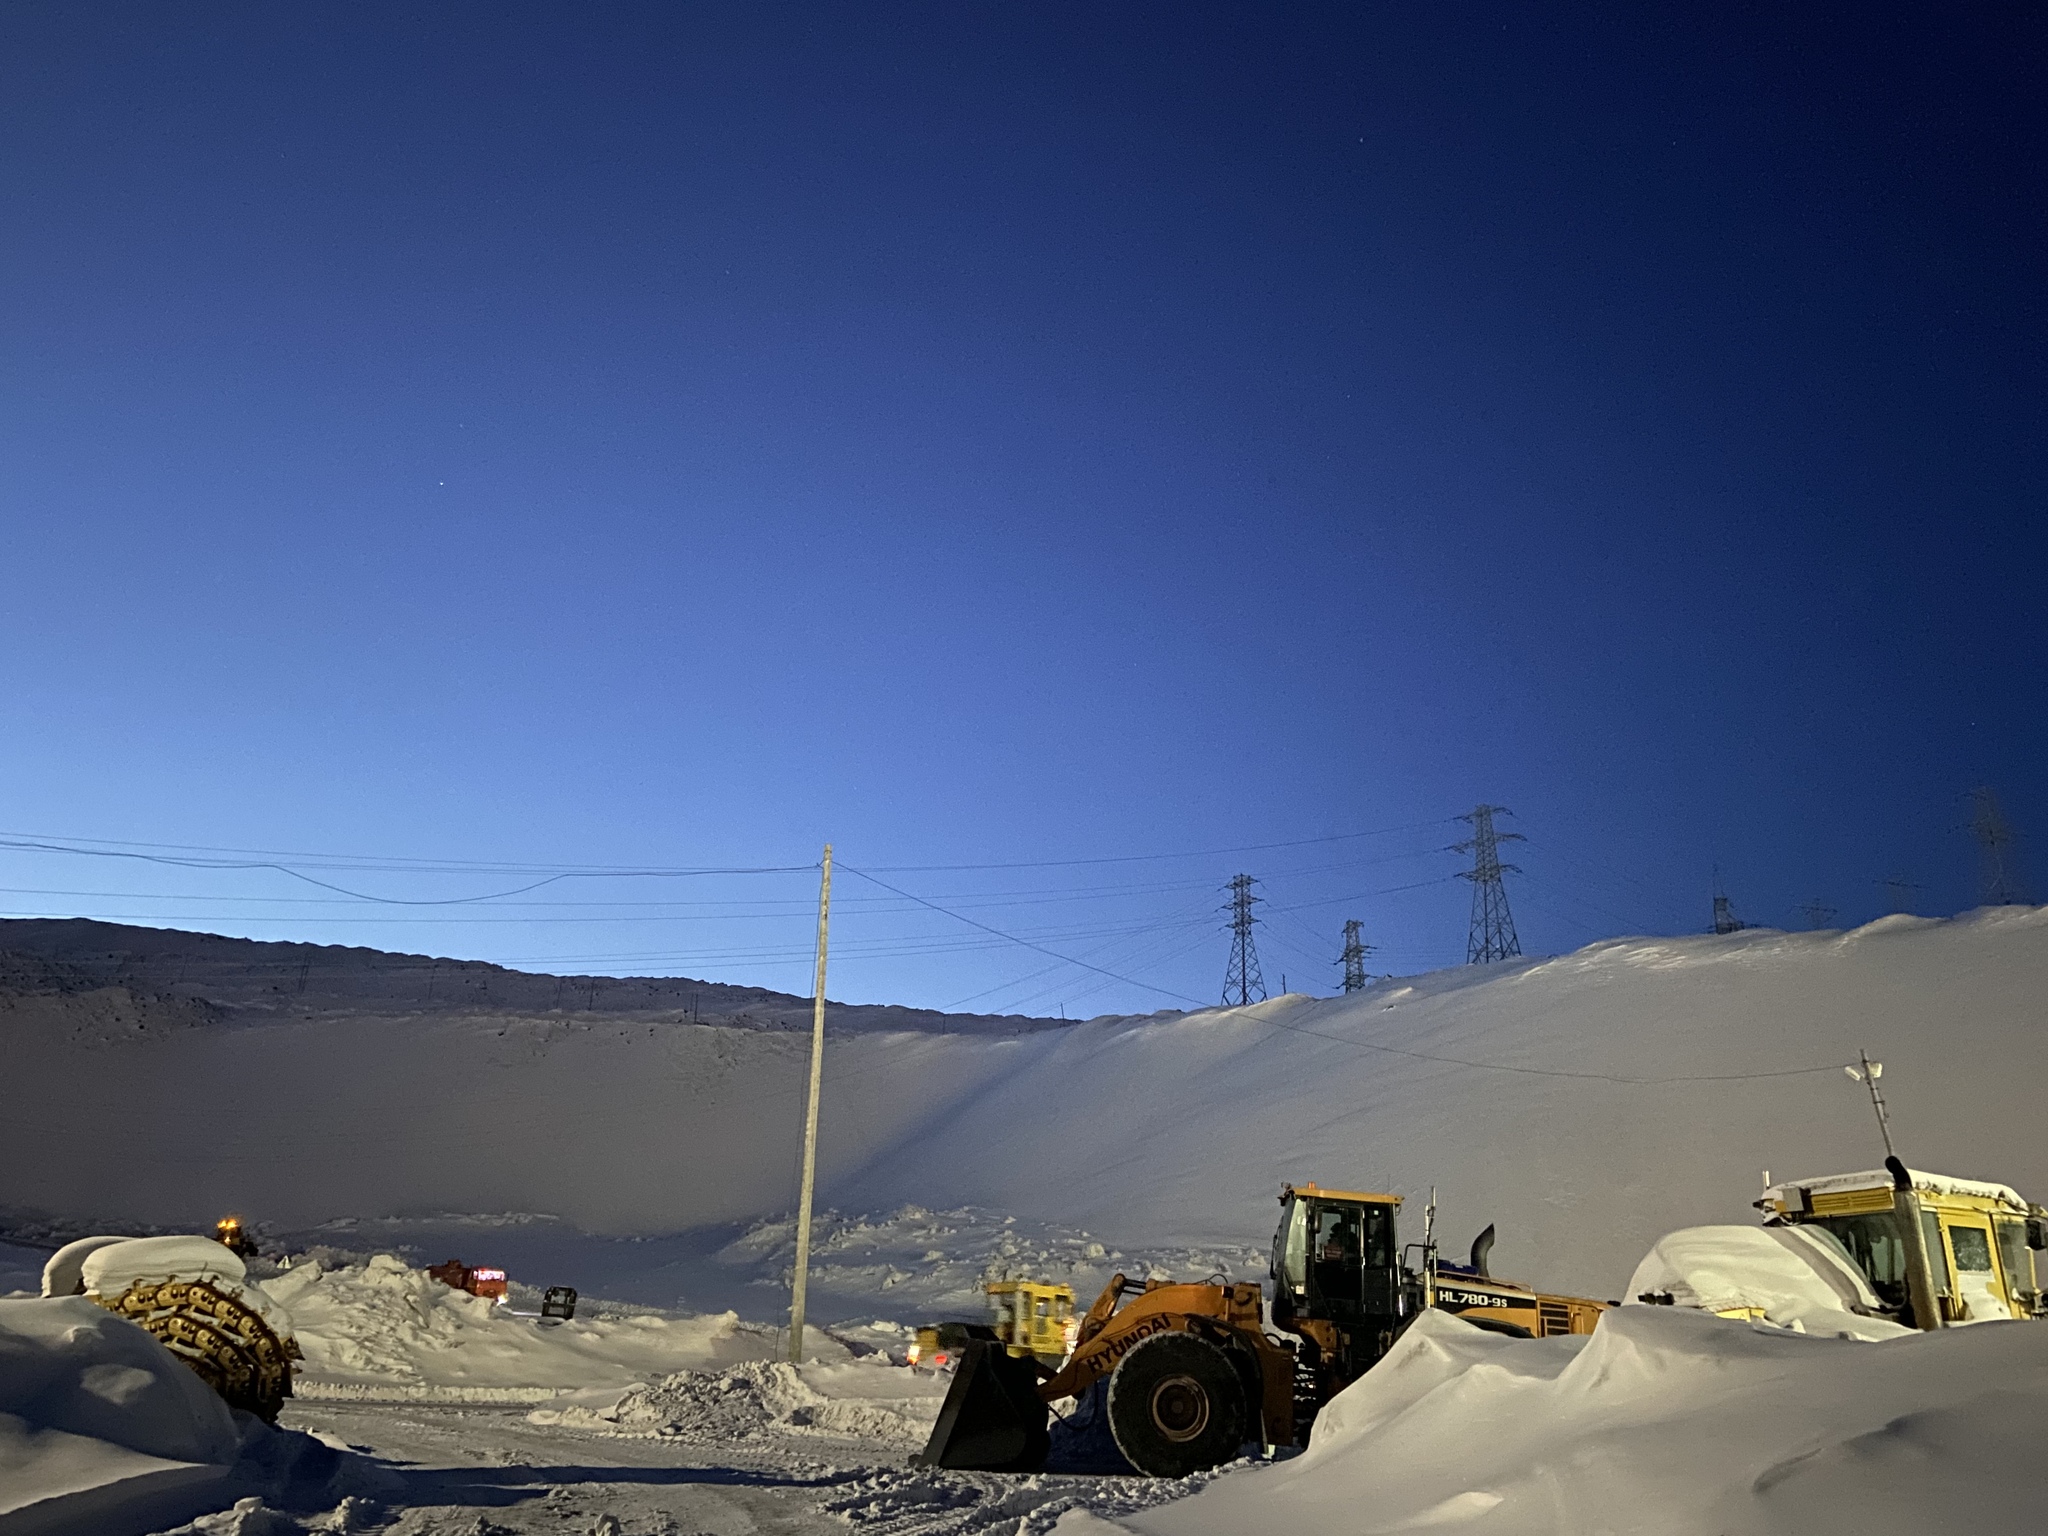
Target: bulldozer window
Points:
x,y
2012,1249
1874,1243
1973,1248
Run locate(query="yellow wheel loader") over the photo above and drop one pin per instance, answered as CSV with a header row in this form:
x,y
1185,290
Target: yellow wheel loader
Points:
x,y
1192,1371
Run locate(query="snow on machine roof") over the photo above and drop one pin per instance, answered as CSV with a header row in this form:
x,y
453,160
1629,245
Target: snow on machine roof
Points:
x,y
1797,1194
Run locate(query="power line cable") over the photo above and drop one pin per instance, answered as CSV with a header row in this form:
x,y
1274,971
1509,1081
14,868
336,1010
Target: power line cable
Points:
x,y
1142,858
1026,943
396,901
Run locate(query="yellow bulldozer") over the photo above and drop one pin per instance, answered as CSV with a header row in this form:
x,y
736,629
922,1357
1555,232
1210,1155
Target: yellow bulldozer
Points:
x,y
1032,1317
1936,1250
1192,1372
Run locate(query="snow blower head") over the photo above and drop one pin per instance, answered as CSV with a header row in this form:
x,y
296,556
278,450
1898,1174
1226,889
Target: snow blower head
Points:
x,y
993,1419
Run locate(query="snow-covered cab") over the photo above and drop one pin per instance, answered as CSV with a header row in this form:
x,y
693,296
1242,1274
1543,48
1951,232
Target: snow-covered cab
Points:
x,y
1981,1238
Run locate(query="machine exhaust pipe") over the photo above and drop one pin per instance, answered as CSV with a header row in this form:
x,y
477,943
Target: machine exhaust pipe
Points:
x,y
1919,1263
1482,1245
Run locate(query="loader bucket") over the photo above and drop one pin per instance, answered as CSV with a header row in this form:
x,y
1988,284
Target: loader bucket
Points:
x,y
993,1419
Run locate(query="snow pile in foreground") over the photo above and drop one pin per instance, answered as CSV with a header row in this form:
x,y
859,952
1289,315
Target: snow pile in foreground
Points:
x,y
96,1418
384,1328
1663,1419
103,1430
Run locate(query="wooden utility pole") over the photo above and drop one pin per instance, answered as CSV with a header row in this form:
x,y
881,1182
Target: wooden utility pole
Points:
x,y
803,1207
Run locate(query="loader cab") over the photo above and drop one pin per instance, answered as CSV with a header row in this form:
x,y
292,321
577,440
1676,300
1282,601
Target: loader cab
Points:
x,y
1335,1261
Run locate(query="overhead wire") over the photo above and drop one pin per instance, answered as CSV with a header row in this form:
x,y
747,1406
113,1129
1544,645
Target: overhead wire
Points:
x,y
1141,858
396,901
1026,943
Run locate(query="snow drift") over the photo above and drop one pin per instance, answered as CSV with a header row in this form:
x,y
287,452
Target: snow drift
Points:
x,y
384,1328
1662,1420
100,1425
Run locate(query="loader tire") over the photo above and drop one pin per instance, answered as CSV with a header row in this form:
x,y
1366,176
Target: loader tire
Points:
x,y
1176,1406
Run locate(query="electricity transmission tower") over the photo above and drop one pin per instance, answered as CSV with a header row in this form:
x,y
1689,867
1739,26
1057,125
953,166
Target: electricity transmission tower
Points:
x,y
1996,861
1242,982
1493,926
1817,913
1900,890
1353,958
1725,920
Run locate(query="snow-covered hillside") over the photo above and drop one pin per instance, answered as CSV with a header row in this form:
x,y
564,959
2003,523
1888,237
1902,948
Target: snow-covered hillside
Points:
x,y
1184,1127
1640,1103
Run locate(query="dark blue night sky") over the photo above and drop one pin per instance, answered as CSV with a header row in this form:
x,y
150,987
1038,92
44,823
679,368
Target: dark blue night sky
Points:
x,y
661,435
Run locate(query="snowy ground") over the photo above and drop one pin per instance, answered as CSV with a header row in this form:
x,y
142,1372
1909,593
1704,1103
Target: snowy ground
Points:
x,y
464,1416
663,1422
454,1465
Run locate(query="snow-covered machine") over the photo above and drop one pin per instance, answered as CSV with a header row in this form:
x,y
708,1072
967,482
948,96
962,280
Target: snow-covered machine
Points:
x,y
1190,1372
1936,1250
193,1293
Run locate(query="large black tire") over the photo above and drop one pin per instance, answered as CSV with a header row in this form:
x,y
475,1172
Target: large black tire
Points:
x,y
1176,1406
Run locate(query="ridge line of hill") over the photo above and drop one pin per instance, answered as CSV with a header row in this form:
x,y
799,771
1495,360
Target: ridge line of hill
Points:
x,y
223,978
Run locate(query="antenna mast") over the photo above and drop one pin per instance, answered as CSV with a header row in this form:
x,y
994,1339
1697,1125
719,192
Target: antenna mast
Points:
x,y
1868,1075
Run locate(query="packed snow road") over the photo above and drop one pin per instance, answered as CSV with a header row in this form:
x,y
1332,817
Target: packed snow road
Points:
x,y
462,1468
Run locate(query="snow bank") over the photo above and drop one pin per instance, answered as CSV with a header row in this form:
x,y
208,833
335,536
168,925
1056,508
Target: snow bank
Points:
x,y
386,1325
1663,1420
101,1427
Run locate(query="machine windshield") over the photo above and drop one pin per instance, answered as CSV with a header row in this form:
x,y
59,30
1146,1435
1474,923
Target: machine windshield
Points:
x,y
1874,1243
1290,1246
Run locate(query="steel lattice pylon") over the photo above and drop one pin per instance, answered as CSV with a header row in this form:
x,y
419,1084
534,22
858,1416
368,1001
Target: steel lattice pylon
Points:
x,y
1243,977
1493,927
1353,958
1725,920
1998,867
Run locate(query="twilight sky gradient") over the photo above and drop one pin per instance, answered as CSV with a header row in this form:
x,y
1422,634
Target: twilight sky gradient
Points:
x,y
667,435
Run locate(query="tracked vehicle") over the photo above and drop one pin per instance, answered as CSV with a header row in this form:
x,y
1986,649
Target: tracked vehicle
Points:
x,y
1191,1372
